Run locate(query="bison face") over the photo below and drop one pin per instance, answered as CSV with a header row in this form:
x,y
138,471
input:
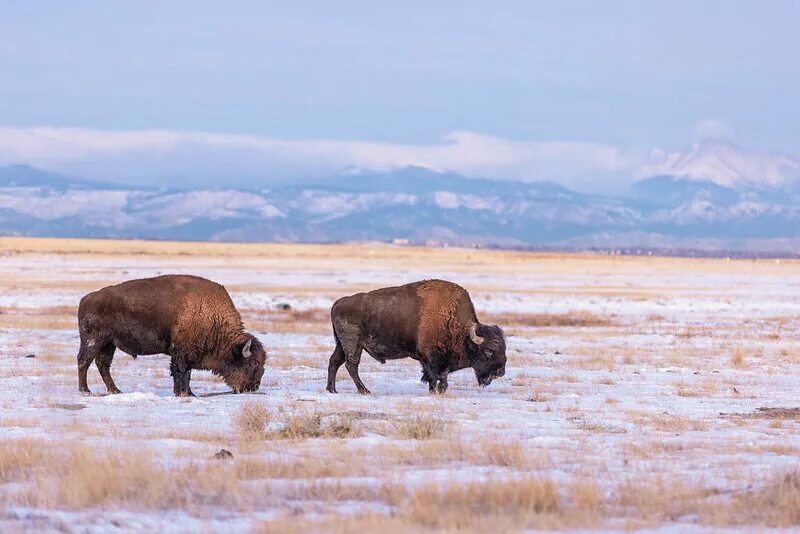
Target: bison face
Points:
x,y
487,349
247,366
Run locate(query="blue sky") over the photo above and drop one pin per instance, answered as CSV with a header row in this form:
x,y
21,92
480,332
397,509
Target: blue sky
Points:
x,y
627,76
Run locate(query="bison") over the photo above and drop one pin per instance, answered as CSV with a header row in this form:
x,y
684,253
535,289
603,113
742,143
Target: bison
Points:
x,y
432,321
189,318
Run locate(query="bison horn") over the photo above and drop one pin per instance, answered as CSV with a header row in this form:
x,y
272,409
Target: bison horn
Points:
x,y
473,334
246,352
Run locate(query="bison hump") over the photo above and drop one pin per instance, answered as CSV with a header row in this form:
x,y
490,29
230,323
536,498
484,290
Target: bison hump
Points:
x,y
442,307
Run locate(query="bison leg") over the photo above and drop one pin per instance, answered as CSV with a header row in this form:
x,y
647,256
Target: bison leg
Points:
x,y
336,361
86,355
181,375
430,378
103,362
351,364
441,386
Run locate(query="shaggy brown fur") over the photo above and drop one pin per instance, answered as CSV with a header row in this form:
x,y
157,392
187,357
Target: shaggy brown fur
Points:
x,y
191,319
442,329
429,321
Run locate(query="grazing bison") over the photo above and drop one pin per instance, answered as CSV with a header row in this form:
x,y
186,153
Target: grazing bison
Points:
x,y
432,321
189,318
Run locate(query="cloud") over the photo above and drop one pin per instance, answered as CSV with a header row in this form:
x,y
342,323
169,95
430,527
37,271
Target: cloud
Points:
x,y
201,158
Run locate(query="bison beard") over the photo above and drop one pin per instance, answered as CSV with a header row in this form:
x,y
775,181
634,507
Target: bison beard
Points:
x,y
432,321
191,319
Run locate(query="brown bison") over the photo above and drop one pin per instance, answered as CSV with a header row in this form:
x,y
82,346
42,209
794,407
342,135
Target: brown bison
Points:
x,y
432,321
189,318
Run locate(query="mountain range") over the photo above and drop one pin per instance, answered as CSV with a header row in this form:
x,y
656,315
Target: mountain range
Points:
x,y
710,200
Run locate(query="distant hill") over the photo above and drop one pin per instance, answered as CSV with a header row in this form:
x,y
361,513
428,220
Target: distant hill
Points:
x,y
413,204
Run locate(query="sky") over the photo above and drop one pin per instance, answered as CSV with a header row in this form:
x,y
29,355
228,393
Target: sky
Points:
x,y
580,92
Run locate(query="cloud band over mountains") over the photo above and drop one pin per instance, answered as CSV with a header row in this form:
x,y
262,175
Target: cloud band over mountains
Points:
x,y
190,158
200,158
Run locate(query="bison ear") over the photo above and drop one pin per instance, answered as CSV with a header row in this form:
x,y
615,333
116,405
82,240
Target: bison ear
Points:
x,y
473,334
246,350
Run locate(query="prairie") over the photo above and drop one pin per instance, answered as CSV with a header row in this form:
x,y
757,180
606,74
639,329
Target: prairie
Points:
x,y
640,392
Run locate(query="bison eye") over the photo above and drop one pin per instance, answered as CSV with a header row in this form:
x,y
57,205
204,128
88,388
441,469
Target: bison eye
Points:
x,y
488,352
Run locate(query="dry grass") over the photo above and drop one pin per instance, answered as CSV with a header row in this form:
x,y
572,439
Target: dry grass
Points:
x,y
309,321
492,505
776,503
737,357
251,420
20,422
498,451
44,318
198,435
18,456
420,427
704,387
676,423
298,467
299,423
80,476
542,393
544,320
587,497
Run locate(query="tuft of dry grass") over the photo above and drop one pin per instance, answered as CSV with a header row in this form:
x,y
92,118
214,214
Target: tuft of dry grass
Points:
x,y
676,423
504,453
737,357
542,393
421,427
301,424
251,421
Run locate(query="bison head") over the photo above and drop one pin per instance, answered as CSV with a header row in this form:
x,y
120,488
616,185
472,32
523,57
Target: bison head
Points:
x,y
246,367
486,346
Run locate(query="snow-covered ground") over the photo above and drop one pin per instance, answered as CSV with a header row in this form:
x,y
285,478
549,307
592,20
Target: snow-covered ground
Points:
x,y
643,411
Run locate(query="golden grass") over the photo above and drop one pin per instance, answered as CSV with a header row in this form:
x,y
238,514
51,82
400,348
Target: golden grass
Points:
x,y
542,393
43,318
299,424
543,320
310,321
737,357
420,427
677,423
302,467
492,505
251,421
80,476
499,451
19,455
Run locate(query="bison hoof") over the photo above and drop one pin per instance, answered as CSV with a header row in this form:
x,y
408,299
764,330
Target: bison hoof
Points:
x,y
114,391
331,389
85,392
364,391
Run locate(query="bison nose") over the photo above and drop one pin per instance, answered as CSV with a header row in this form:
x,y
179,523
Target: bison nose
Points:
x,y
501,372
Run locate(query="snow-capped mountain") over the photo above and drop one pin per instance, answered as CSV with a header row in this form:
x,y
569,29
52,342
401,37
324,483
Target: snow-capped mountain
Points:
x,y
726,164
413,204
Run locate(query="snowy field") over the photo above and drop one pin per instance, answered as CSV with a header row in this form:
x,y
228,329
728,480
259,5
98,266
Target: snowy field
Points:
x,y
640,393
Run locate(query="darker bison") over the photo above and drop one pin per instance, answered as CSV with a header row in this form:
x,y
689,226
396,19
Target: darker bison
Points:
x,y
189,318
432,321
